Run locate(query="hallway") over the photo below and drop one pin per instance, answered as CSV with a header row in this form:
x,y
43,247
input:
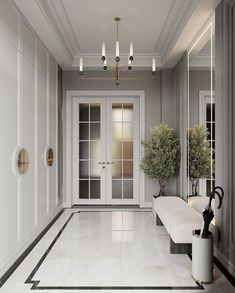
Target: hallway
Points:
x,y
105,249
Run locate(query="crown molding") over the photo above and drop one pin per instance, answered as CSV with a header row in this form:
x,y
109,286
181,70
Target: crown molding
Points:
x,y
54,22
180,14
64,24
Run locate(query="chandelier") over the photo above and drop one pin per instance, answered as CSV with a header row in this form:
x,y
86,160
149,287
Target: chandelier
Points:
x,y
117,68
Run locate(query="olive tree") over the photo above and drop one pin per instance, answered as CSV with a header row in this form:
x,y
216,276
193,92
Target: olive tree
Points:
x,y
199,156
161,155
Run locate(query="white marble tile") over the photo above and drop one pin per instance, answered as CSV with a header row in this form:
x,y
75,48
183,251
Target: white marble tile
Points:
x,y
109,248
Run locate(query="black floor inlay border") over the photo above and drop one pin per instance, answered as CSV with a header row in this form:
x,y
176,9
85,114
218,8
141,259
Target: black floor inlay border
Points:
x,y
11,270
36,286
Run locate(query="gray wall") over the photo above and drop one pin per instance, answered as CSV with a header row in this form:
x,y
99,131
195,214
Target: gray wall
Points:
x,y
225,131
158,98
181,121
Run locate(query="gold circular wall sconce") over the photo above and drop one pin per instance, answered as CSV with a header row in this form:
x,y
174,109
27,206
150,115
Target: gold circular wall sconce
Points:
x,y
23,161
50,157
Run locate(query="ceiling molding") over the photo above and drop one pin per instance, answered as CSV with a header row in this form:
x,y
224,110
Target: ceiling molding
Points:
x,y
163,35
176,24
55,24
41,22
64,24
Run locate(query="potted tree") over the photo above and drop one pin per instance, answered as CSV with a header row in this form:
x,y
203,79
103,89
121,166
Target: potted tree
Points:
x,y
199,156
162,155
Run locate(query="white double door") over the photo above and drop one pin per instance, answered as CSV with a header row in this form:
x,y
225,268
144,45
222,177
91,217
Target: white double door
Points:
x,y
106,150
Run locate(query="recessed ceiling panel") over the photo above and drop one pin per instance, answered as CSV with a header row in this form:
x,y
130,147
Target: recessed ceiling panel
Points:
x,y
93,22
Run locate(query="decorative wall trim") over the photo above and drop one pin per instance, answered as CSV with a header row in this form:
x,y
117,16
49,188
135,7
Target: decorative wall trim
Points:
x,y
225,133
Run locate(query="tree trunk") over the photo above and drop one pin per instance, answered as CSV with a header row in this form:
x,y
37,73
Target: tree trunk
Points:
x,y
162,183
195,183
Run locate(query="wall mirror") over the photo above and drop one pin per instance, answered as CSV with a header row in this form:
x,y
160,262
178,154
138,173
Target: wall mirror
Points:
x,y
23,161
201,116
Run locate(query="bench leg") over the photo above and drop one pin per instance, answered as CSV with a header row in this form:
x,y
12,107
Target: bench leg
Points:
x,y
158,221
180,248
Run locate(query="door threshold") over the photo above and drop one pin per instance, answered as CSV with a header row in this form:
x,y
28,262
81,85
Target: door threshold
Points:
x,y
104,206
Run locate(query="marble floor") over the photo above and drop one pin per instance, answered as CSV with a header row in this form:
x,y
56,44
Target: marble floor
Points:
x,y
107,250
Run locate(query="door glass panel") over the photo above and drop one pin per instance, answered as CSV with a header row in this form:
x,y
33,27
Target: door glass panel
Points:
x,y
83,150
89,151
94,169
95,112
84,112
83,169
95,189
128,150
84,188
95,131
128,189
83,131
127,169
117,169
122,151
95,149
117,150
117,112
117,131
127,131
117,189
127,112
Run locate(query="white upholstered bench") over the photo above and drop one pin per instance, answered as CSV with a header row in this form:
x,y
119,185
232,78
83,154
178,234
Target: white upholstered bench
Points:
x,y
179,219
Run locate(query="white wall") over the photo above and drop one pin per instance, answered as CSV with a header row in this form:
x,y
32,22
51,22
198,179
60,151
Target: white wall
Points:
x,y
28,118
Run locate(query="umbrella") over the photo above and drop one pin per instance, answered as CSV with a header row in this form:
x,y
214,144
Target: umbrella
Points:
x,y
208,213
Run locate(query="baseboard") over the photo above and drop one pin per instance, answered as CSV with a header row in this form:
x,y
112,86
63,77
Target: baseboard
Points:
x,y
224,264
146,205
21,252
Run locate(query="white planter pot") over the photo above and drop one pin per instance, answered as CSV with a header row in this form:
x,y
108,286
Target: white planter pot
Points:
x,y
202,258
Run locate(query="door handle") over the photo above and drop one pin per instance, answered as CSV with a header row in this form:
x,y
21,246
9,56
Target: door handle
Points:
x,y
110,163
101,163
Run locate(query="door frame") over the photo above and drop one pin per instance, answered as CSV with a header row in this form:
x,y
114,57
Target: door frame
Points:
x,y
68,172
203,96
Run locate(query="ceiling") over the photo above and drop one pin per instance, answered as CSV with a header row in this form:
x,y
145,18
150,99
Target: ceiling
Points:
x,y
158,28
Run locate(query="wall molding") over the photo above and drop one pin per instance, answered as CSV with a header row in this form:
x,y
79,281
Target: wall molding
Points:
x,y
225,145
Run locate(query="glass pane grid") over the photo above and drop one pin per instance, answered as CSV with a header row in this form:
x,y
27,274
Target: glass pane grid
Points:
x,y
210,124
122,151
89,151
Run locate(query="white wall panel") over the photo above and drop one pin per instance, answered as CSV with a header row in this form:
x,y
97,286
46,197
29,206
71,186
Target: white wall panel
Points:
x,y
28,118
52,143
27,43
41,141
52,72
41,59
8,134
28,142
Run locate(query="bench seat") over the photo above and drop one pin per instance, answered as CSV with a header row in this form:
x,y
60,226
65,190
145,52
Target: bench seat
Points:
x,y
179,218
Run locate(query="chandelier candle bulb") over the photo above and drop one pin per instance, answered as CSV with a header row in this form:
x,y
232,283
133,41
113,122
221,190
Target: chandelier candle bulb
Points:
x,y
81,67
117,52
131,52
153,65
103,51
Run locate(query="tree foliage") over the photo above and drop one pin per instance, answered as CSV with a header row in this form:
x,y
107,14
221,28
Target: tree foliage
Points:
x,y
162,153
199,153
